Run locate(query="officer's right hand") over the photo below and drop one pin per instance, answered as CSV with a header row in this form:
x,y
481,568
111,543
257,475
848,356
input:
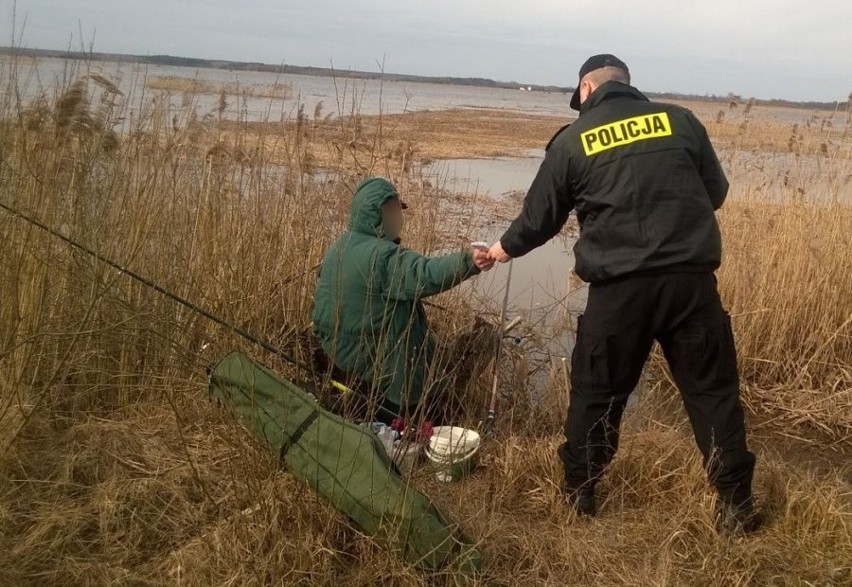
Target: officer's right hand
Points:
x,y
497,253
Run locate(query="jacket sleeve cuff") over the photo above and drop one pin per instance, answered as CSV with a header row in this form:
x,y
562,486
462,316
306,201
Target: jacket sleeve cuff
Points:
x,y
511,247
472,269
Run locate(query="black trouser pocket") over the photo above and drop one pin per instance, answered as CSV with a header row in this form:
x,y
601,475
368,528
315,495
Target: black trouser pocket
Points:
x,y
590,365
726,371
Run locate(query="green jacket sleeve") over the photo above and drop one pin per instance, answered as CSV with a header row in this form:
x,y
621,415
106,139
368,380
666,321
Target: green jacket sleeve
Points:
x,y
412,276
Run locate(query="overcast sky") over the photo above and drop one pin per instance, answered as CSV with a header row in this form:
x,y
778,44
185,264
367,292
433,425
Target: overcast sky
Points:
x,y
763,48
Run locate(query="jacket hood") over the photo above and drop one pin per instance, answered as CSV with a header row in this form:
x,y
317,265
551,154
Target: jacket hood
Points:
x,y
366,213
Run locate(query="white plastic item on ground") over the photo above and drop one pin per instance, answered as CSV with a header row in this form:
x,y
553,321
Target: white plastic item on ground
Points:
x,y
453,452
406,455
385,434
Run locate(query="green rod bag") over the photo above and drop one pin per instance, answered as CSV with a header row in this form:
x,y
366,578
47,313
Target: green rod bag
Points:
x,y
343,462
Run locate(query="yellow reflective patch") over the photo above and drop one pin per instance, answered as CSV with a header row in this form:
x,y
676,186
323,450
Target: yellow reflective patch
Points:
x,y
624,132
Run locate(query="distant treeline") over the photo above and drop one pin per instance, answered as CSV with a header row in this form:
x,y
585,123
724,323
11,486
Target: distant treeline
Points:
x,y
368,75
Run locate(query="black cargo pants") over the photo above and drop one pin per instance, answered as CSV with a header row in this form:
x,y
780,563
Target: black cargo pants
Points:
x,y
615,334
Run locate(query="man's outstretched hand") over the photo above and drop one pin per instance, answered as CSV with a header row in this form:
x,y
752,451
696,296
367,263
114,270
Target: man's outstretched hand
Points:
x,y
496,253
482,259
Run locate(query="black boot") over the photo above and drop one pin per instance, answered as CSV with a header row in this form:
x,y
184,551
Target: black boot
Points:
x,y
581,499
737,517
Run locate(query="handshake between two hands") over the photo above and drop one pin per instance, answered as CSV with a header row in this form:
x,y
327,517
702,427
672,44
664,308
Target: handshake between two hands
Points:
x,y
484,256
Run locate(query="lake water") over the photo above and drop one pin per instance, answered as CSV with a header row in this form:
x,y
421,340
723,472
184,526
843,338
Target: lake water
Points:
x,y
541,288
540,280
338,96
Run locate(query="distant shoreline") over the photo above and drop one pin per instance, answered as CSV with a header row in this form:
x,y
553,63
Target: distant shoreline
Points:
x,y
368,75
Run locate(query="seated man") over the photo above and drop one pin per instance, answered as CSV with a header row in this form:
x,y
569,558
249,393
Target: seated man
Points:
x,y
368,312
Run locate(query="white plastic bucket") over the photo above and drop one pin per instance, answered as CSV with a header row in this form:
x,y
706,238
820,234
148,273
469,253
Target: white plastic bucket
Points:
x,y
453,452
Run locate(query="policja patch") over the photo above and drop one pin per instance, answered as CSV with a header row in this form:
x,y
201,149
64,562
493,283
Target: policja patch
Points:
x,y
624,132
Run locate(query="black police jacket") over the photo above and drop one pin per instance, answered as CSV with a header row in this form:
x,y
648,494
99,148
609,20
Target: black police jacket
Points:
x,y
645,182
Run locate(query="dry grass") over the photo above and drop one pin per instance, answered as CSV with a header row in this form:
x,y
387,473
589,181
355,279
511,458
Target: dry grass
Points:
x,y
402,141
792,305
785,277
486,133
115,469
467,132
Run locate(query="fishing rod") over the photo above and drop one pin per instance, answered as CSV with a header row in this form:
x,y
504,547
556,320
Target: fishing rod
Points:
x,y
184,302
488,426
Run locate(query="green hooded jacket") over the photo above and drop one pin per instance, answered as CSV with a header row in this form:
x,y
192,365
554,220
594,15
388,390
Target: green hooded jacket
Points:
x,y
368,312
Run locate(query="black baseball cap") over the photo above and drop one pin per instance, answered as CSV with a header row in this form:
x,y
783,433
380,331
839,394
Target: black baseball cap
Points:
x,y
592,63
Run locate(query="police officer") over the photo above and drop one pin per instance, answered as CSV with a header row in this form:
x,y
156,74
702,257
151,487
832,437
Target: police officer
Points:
x,y
645,182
